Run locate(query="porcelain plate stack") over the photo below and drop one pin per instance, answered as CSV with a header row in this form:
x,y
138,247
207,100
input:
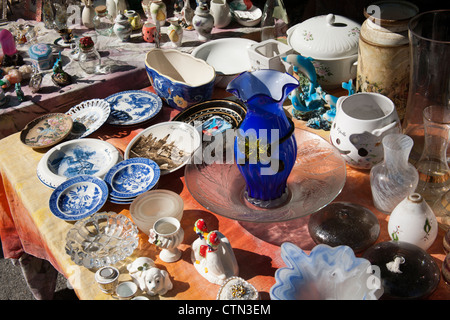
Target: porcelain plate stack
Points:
x,y
130,178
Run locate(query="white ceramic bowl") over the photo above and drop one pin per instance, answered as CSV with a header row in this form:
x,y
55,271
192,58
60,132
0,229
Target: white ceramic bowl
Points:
x,y
332,41
153,205
228,56
170,144
178,78
76,157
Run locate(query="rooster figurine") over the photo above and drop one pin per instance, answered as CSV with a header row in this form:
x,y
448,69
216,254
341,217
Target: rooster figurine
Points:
x,y
212,255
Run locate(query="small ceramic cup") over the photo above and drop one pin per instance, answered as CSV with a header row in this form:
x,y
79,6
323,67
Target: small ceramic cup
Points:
x,y
126,290
107,279
361,122
148,32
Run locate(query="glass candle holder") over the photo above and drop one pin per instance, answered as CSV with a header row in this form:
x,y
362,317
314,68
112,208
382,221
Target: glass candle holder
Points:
x,y
432,166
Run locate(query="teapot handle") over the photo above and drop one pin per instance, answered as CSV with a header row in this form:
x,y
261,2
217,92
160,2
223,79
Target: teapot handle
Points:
x,y
379,132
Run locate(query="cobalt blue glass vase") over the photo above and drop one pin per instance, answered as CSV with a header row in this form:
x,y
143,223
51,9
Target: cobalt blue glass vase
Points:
x,y
265,148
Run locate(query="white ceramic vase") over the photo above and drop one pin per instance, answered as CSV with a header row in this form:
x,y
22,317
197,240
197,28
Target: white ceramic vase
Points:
x,y
111,8
203,22
220,10
175,32
413,221
168,235
87,15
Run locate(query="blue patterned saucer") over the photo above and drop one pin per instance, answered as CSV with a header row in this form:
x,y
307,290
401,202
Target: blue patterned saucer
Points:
x,y
78,197
129,178
133,107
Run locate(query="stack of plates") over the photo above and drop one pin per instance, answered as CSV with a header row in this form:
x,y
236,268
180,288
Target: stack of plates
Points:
x,y
130,178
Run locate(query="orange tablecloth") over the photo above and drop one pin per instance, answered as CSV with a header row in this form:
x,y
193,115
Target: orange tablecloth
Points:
x,y
29,227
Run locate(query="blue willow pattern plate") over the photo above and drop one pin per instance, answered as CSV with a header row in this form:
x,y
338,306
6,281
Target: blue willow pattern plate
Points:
x,y
131,177
77,157
78,197
133,107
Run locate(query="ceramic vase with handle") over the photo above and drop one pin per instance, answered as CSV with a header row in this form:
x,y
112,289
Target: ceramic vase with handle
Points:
x,y
413,221
265,148
220,10
361,122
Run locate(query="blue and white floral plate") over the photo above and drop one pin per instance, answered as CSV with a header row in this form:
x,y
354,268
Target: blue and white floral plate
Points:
x,y
77,157
133,107
129,178
78,197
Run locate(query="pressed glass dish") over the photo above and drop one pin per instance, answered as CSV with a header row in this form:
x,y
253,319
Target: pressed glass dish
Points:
x,y
104,238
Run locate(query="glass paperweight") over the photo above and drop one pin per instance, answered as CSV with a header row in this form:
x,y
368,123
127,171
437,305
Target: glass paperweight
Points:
x,y
343,223
407,271
102,239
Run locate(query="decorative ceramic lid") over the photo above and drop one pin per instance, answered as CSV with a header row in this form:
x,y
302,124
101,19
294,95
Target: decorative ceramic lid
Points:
x,y
325,37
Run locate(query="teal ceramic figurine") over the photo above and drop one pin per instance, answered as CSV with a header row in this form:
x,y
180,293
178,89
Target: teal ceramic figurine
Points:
x,y
308,99
59,76
265,148
19,93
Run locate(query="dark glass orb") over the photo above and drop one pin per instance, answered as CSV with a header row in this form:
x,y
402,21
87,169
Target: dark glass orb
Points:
x,y
407,271
344,223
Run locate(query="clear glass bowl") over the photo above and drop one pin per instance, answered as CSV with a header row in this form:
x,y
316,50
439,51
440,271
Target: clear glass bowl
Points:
x,y
104,238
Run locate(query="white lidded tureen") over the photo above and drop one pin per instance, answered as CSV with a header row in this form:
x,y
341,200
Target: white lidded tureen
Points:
x,y
332,41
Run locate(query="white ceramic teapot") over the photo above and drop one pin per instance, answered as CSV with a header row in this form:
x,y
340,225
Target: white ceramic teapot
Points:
x,y
361,122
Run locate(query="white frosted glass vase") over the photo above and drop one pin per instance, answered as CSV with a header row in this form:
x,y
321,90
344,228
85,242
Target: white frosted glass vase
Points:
x,y
393,179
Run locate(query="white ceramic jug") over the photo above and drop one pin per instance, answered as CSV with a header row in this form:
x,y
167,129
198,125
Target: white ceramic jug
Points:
x,y
220,10
361,122
111,8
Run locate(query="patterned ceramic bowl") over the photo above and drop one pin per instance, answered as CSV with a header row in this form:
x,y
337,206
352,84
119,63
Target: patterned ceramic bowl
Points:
x,y
328,273
178,78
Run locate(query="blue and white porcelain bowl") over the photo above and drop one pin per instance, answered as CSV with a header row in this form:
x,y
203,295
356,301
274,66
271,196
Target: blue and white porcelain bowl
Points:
x,y
78,197
77,157
129,178
327,273
178,78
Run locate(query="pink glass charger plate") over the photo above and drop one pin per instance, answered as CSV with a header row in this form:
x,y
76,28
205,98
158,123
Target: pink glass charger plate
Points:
x,y
318,176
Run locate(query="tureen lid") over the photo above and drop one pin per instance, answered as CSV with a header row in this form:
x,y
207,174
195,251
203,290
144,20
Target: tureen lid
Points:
x,y
325,37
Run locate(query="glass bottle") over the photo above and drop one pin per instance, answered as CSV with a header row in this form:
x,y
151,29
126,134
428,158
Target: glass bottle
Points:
x,y
393,179
103,22
433,168
48,14
274,20
89,58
